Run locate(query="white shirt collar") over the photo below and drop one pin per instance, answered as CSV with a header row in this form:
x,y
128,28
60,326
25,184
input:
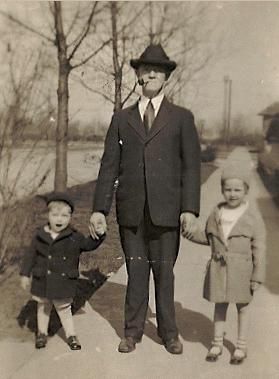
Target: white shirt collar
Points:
x,y
156,102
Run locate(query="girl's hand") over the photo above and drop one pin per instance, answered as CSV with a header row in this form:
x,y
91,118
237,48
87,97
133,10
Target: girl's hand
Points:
x,y
25,282
255,285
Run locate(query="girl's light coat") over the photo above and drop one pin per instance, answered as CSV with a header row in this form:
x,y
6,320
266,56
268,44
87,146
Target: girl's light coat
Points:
x,y
236,262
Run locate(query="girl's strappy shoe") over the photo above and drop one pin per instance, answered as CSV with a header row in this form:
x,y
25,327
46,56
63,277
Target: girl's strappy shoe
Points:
x,y
216,349
239,354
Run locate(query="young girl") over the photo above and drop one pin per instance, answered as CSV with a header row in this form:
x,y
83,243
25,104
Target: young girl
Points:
x,y
236,234
53,260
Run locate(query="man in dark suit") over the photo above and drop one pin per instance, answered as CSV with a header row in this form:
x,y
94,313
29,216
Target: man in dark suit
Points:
x,y
152,150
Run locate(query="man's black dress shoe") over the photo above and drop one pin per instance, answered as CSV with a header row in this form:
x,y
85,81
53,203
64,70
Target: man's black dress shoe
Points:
x,y
40,341
73,342
174,346
127,345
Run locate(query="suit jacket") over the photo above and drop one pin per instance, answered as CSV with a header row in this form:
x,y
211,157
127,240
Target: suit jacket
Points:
x,y
161,167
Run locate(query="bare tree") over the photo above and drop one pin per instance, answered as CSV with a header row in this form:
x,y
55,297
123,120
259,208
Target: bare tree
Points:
x,y
67,47
185,32
111,67
22,171
179,27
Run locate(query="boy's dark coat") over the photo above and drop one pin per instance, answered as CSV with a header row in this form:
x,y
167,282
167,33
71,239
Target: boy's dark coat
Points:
x,y
54,263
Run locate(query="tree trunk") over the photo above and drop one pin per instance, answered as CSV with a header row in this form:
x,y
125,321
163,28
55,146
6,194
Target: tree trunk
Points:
x,y
116,66
60,180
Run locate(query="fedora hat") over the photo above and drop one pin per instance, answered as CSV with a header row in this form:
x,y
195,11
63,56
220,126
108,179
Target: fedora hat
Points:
x,y
155,55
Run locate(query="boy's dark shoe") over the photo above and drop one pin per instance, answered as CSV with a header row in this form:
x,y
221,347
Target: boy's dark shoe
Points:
x,y
174,346
40,340
127,345
73,342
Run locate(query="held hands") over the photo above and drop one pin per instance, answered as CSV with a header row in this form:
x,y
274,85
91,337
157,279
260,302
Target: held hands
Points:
x,y
97,225
188,224
254,286
25,282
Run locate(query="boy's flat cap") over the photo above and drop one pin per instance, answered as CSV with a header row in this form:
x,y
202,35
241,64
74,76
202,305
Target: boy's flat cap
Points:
x,y
60,196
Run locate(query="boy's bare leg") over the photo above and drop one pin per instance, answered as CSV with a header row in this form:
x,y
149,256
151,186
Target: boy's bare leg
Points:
x,y
63,308
43,315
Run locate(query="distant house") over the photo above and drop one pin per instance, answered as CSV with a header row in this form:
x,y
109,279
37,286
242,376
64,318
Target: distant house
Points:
x,y
271,123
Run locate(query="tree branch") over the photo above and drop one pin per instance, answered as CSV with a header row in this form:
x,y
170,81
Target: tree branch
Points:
x,y
75,18
105,43
85,31
77,78
27,27
129,94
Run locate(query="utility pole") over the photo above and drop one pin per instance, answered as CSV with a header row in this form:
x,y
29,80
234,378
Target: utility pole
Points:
x,y
227,108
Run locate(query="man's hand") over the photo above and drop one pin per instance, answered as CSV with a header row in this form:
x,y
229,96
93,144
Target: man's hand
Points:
x,y
254,286
97,225
188,224
25,282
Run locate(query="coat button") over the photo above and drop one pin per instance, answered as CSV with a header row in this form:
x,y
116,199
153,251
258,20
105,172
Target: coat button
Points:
x,y
49,257
64,258
48,272
63,274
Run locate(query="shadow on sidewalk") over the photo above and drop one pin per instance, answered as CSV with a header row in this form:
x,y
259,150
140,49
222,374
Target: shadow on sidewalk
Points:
x,y
108,301
85,289
197,328
193,326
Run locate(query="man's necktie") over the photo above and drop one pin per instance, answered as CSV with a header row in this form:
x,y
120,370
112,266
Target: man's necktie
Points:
x,y
149,116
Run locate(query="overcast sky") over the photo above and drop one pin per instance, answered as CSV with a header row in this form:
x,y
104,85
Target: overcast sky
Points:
x,y
249,54
251,34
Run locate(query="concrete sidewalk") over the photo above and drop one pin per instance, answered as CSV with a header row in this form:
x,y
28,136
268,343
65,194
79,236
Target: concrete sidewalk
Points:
x,y
100,323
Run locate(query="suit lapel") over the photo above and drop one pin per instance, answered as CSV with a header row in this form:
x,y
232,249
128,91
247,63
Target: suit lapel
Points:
x,y
135,121
161,120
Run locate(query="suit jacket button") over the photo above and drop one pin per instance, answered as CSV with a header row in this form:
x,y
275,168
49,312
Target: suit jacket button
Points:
x,y
48,272
49,257
63,274
64,258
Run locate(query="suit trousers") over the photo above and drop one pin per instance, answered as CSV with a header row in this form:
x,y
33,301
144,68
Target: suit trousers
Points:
x,y
150,247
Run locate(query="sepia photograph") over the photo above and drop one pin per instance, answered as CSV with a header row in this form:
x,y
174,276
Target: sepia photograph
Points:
x,y
139,189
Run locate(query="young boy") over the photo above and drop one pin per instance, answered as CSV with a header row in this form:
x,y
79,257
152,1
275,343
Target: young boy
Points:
x,y
52,261
236,234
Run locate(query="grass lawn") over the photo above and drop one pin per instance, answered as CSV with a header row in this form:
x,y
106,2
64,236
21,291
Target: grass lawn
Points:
x,y
96,266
